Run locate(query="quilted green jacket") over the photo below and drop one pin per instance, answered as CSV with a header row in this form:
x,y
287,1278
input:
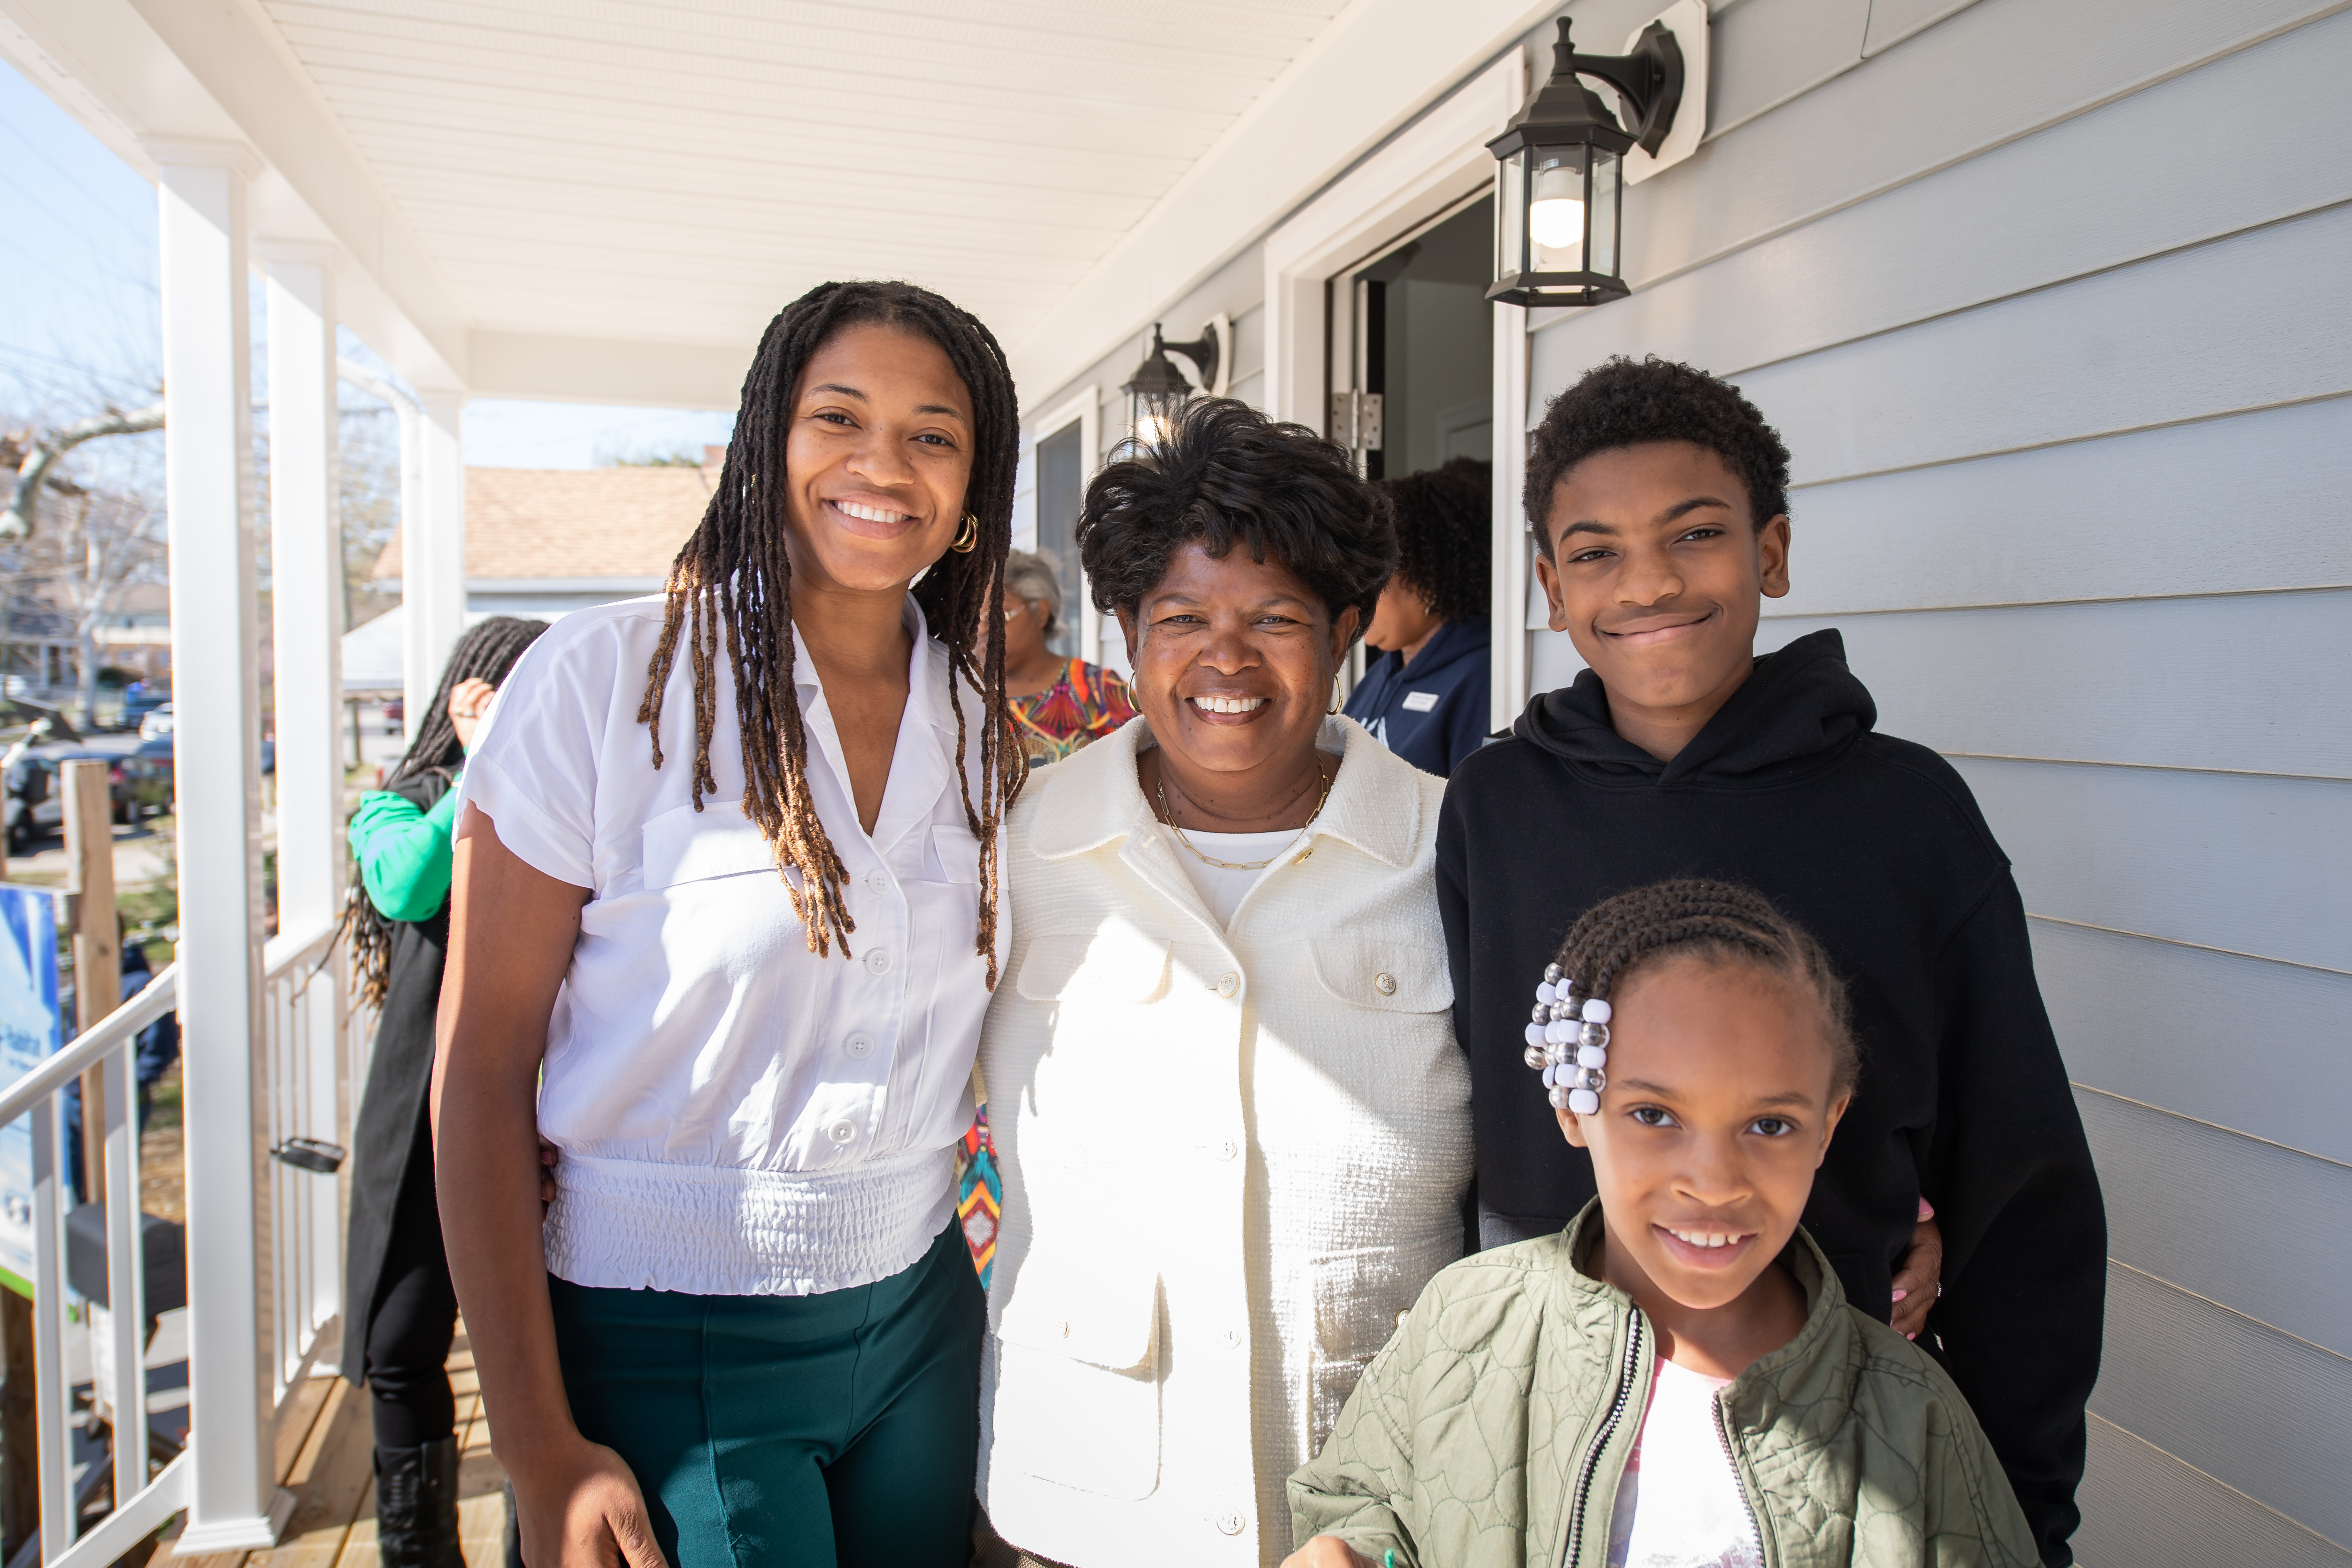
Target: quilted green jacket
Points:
x,y
1493,1430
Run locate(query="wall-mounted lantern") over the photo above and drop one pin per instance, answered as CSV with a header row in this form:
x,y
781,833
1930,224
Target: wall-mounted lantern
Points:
x,y
1559,189
1159,389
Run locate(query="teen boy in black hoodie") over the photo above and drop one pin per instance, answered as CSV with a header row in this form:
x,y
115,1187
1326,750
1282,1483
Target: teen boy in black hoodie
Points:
x,y
1660,501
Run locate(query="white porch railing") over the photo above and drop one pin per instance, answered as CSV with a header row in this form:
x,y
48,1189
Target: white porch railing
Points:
x,y
312,1058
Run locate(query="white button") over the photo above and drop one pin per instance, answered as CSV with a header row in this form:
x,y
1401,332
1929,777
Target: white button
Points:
x,y
877,961
1233,1338
841,1132
1228,983
1384,983
1402,1314
860,1044
878,880
1231,1523
1227,1150
1066,1331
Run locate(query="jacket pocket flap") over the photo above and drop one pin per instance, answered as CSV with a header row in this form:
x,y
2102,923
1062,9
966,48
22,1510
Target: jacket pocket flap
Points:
x,y
1388,975
1115,963
1106,1317
686,845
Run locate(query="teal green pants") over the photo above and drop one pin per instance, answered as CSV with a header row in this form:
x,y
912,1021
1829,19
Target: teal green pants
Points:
x,y
790,1431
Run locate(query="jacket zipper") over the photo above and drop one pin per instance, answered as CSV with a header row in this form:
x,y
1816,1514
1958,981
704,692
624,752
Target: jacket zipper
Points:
x,y
1723,1433
1601,1441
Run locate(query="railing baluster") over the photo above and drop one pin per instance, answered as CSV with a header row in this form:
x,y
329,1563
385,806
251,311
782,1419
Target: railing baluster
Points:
x,y
126,1272
51,1400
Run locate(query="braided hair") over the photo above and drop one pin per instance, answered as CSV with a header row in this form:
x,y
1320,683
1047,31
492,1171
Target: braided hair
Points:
x,y
730,586
486,652
1720,920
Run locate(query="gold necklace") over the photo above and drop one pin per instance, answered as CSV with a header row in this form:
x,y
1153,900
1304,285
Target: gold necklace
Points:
x,y
1167,813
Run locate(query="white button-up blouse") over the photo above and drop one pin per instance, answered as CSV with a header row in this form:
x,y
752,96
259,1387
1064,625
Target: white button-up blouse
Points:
x,y
737,1115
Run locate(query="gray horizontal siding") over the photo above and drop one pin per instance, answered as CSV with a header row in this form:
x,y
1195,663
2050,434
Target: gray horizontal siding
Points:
x,y
2246,322
2119,1005
2107,681
2141,1506
2246,1404
2074,199
2214,1213
2260,866
2222,506
1999,70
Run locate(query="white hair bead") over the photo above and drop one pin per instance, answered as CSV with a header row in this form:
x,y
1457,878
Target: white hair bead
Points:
x,y
1547,992
1560,1034
1584,1101
1536,1033
1596,1011
1591,1055
1553,1076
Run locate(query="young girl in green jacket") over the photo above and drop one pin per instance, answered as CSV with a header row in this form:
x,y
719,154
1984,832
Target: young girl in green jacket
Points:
x,y
1676,1378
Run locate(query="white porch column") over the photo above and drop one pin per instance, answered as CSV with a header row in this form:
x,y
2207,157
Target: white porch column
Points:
x,y
307,604
433,551
208,498
307,574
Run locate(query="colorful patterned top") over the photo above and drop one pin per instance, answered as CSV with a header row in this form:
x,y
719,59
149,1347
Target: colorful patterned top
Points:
x,y
1086,704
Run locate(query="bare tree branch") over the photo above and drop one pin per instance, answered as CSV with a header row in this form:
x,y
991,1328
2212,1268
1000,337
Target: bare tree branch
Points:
x,y
40,452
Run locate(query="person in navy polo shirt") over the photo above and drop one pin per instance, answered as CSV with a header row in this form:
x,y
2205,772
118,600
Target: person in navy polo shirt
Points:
x,y
1424,697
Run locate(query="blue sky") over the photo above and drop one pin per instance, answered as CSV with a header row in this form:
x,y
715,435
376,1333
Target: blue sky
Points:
x,y
79,324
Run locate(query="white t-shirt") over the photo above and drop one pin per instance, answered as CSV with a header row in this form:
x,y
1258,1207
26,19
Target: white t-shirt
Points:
x,y
1222,888
1679,1505
737,1115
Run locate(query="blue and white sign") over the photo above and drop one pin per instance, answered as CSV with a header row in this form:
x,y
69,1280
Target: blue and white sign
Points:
x,y
28,1032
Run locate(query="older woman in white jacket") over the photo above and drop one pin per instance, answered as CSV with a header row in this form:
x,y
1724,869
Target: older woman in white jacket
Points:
x,y
1233,1122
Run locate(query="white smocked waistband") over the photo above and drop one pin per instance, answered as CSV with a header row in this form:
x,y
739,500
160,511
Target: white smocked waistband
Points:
x,y
638,1225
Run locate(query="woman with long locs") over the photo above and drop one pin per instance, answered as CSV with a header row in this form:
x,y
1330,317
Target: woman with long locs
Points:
x,y
726,920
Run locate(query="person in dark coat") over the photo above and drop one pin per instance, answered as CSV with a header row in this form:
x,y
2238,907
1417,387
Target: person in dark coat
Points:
x,y
1425,697
404,1311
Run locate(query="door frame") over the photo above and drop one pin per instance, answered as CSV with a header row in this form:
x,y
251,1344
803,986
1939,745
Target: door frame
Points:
x,y
1428,166
1083,409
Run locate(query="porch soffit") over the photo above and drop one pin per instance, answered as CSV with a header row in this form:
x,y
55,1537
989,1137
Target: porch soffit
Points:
x,y
607,199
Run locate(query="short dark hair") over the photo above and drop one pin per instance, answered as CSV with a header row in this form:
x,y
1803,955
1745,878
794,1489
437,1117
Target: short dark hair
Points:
x,y
1445,520
1621,403
1728,923
1227,475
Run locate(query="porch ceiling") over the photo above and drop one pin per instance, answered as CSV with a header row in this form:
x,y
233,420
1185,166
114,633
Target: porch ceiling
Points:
x,y
607,199
678,170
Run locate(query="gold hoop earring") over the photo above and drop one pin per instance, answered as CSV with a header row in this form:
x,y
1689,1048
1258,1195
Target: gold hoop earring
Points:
x,y
1338,702
967,537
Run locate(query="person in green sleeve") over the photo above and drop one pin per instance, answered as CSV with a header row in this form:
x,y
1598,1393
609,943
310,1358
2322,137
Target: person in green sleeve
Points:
x,y
402,1311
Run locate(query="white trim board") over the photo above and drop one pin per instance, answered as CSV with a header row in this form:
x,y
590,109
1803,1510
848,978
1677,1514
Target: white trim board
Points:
x,y
1083,408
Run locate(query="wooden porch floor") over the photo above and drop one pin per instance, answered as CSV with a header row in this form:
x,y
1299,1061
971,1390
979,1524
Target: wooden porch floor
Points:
x,y
326,1459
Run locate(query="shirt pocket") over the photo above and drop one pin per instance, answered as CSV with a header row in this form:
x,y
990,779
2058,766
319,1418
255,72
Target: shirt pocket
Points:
x,y
690,846
1077,1377
954,856
1384,975
1113,963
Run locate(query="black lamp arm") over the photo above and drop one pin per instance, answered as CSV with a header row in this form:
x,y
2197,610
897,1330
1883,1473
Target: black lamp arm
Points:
x,y
1201,351
1651,78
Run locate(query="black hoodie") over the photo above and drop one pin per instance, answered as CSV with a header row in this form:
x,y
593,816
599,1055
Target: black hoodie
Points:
x,y
1874,846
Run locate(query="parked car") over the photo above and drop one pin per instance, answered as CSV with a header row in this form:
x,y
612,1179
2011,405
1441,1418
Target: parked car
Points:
x,y
148,775
35,806
158,722
139,701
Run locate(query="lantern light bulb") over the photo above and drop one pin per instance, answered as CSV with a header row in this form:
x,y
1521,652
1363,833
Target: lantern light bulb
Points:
x,y
1556,223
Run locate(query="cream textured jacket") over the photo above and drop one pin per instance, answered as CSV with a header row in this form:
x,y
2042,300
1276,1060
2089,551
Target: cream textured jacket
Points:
x,y
1232,1158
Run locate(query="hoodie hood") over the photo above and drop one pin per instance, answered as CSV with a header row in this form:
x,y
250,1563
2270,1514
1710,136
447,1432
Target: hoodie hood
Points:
x,y
1799,710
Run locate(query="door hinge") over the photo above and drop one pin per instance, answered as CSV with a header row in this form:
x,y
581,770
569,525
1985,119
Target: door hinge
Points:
x,y
1355,420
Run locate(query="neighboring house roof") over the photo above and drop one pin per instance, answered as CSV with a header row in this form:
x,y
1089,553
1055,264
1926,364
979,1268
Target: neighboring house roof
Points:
x,y
573,525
